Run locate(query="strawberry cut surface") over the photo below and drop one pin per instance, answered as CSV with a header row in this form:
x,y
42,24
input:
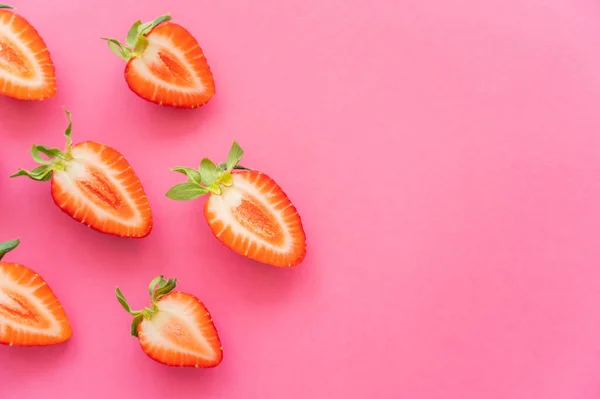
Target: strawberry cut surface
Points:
x,y
95,185
181,333
100,189
176,329
172,70
255,218
26,69
30,313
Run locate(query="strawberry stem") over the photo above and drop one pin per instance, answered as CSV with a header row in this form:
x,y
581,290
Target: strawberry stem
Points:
x,y
208,178
57,159
7,246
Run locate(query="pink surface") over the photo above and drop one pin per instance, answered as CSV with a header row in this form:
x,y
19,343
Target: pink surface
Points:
x,y
444,157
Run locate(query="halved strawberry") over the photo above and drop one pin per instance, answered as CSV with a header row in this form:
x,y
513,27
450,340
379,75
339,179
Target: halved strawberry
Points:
x,y
246,210
165,64
176,329
95,185
30,313
26,69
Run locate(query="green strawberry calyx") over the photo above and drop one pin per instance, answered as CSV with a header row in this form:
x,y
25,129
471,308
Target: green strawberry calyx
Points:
x,y
208,178
56,159
136,41
158,288
7,246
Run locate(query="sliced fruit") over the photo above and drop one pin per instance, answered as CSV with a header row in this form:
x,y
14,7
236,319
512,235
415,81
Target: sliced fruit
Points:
x,y
246,210
95,185
30,313
165,64
26,69
176,329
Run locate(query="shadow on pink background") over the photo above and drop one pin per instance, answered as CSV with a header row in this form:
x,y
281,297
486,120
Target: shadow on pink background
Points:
x,y
444,157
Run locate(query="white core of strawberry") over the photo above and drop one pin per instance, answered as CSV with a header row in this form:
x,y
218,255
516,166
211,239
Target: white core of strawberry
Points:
x,y
8,285
10,303
77,170
223,205
150,56
160,329
7,34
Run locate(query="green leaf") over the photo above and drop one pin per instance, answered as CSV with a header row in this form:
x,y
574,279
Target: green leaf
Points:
x,y
68,131
235,155
192,174
208,171
5,6
50,152
165,289
133,33
41,173
156,280
186,191
35,153
7,246
135,323
162,283
161,19
123,301
118,48
143,27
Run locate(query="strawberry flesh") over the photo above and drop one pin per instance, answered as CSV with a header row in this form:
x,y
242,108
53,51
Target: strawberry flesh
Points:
x,y
181,333
255,218
100,189
30,313
172,70
26,69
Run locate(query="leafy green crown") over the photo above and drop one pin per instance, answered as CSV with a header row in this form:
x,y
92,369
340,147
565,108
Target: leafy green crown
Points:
x,y
57,159
158,288
208,178
136,38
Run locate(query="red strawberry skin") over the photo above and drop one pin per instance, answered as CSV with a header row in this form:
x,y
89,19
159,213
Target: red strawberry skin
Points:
x,y
259,207
182,322
103,192
20,78
30,313
172,71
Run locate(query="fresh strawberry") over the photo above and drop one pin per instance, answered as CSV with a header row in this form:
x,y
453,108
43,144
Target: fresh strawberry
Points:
x,y
176,329
26,69
246,210
165,64
95,185
30,313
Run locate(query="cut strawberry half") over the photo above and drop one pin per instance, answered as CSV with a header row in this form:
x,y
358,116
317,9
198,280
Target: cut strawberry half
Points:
x,y
165,64
95,185
26,69
176,329
246,210
30,313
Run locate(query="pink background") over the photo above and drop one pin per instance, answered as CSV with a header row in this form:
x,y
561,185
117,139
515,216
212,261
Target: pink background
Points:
x,y
444,156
